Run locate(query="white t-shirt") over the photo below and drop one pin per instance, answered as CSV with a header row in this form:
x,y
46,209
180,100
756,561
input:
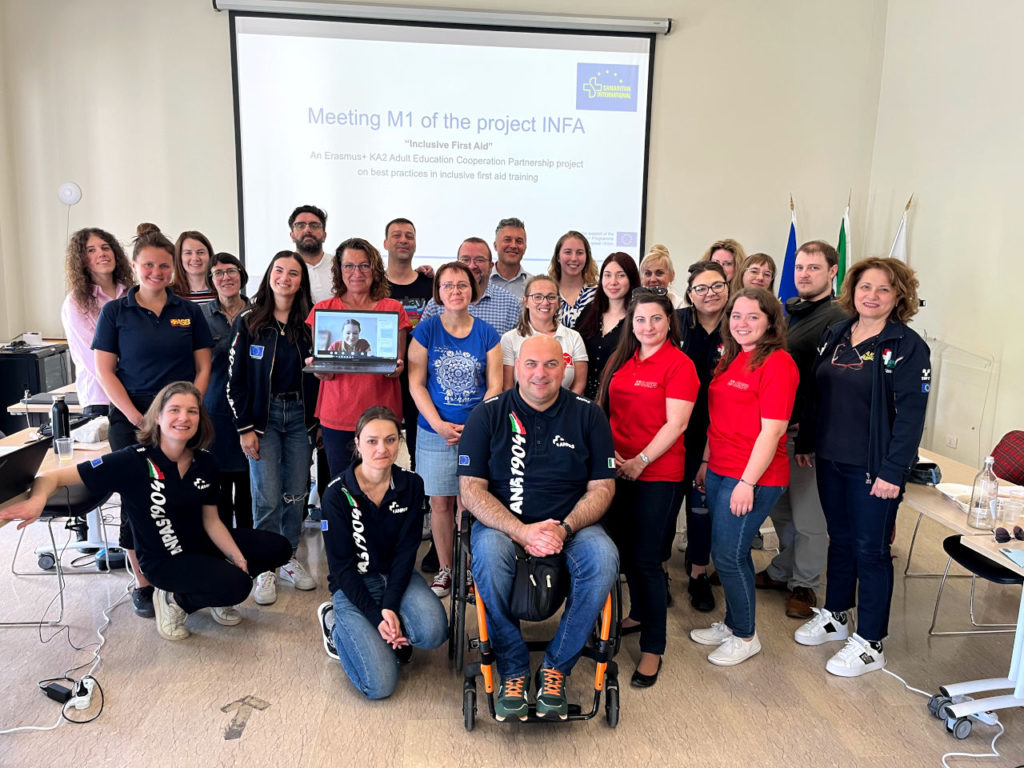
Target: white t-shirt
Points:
x,y
321,282
573,350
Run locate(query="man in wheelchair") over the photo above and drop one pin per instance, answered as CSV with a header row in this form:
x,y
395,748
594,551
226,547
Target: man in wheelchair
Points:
x,y
536,467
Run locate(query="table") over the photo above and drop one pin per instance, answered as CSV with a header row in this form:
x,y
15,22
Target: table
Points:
x,y
23,409
987,546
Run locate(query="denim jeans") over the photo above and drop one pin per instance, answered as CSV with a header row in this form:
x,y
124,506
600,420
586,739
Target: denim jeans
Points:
x,y
338,449
593,565
367,659
731,536
859,561
281,475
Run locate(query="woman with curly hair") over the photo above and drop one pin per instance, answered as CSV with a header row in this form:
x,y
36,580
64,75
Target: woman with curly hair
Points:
x,y
97,272
573,268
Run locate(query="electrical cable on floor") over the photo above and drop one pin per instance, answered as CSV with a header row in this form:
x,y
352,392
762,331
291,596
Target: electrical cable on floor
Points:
x,y
907,685
992,746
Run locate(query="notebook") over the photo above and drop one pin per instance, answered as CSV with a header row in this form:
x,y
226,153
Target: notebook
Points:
x,y
354,341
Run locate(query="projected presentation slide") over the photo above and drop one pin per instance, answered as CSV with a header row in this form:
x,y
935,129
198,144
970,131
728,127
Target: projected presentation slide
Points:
x,y
355,334
454,129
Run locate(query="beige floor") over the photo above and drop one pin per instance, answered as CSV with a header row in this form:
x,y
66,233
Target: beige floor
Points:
x,y
164,700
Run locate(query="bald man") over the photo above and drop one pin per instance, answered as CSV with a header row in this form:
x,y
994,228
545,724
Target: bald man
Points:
x,y
536,468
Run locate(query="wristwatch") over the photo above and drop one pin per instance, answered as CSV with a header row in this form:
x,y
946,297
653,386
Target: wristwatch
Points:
x,y
569,532
644,458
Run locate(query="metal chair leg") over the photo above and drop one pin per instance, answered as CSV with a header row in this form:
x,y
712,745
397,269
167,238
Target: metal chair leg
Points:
x,y
946,633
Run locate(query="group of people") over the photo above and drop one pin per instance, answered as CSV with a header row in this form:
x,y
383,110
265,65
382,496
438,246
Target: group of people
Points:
x,y
571,412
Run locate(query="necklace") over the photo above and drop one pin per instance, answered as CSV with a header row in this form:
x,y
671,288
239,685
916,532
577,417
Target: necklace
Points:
x,y
280,326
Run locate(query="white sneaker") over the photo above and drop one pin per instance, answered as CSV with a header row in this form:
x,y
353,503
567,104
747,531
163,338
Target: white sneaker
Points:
x,y
227,615
442,582
823,628
855,658
716,634
734,650
170,618
265,591
325,615
296,573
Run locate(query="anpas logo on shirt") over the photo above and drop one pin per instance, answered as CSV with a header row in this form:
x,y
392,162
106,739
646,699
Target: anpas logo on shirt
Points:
x,y
201,484
362,554
738,384
645,384
181,322
560,442
397,510
517,464
157,511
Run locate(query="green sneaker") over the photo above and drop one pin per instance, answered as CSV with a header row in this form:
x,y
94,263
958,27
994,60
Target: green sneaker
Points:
x,y
512,699
551,694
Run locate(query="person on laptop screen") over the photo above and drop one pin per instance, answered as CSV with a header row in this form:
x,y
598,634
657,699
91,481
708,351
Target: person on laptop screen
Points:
x,y
350,343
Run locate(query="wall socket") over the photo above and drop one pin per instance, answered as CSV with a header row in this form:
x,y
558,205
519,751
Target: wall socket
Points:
x,y
951,441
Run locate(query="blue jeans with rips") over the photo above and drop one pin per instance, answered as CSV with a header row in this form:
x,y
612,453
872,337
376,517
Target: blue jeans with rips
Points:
x,y
730,547
593,565
280,478
367,659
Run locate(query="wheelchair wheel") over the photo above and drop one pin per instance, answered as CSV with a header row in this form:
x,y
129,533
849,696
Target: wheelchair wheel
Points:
x,y
469,706
611,703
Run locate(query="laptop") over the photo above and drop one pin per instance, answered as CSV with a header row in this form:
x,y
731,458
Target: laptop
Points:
x,y
18,468
354,341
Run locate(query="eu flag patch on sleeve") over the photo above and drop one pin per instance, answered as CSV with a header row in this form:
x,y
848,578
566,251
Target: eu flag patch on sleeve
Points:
x,y
96,462
323,525
463,460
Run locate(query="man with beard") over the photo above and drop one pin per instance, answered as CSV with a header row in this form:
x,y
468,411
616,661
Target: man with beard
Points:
x,y
797,515
308,229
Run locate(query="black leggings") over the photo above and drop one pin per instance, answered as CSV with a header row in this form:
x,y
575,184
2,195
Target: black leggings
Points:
x,y
234,505
201,580
121,435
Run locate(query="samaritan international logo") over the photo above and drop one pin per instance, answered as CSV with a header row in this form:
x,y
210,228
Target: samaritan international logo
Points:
x,y
607,87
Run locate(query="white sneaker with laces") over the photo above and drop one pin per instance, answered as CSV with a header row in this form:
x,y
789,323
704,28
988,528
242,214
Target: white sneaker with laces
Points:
x,y
265,591
170,617
716,634
296,573
823,628
734,650
442,582
227,615
325,615
856,658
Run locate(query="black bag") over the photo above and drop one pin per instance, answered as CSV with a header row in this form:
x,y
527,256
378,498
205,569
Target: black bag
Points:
x,y
925,473
540,585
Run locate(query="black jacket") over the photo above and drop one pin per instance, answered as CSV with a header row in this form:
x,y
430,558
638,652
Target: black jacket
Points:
x,y
250,363
361,538
807,323
899,396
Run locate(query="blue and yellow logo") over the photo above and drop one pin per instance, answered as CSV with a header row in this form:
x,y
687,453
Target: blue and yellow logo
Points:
x,y
607,87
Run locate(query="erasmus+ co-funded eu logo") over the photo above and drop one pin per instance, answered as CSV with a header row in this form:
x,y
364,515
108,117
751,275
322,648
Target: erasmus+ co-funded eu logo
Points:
x,y
608,87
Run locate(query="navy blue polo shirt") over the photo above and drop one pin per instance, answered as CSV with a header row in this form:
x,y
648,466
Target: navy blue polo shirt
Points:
x,y
165,509
152,351
537,463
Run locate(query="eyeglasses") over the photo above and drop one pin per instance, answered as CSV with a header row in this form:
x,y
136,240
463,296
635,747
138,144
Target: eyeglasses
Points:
x,y
537,298
767,274
716,287
841,350
461,287
364,267
1003,536
312,226
478,261
656,290
222,273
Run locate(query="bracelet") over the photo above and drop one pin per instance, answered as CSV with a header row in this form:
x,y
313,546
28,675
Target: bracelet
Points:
x,y
703,461
746,483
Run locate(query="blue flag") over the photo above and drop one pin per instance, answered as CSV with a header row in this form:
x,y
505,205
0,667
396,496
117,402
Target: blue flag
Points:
x,y
787,284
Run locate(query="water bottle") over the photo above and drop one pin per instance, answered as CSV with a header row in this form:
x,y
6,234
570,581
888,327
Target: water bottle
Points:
x,y
981,513
60,419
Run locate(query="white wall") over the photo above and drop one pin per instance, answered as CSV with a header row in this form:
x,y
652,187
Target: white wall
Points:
x,y
753,101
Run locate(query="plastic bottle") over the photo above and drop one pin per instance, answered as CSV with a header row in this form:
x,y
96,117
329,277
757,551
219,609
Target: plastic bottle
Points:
x,y
60,419
981,513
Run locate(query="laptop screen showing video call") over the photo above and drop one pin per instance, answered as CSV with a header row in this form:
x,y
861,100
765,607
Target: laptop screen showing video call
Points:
x,y
353,335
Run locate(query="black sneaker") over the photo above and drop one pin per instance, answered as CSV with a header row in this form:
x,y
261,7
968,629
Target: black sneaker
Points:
x,y
701,597
429,563
142,602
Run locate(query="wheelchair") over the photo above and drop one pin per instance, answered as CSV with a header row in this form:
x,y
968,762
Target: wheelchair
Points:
x,y
602,646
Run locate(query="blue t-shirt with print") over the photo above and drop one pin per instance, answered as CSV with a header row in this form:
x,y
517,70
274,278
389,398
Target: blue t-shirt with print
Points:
x,y
456,368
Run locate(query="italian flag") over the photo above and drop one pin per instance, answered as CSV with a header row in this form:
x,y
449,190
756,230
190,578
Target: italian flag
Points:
x,y
844,249
154,471
517,425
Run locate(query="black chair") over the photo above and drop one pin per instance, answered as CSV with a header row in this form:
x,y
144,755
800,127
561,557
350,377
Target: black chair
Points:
x,y
978,565
75,501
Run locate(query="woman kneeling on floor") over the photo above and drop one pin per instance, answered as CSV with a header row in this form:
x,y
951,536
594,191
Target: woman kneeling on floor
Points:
x,y
373,520
169,487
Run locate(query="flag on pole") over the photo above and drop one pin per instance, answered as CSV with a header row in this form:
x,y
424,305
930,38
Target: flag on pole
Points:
x,y
844,249
899,243
787,283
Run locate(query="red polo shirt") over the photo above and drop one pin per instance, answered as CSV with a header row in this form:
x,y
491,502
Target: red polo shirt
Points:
x,y
738,399
636,405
